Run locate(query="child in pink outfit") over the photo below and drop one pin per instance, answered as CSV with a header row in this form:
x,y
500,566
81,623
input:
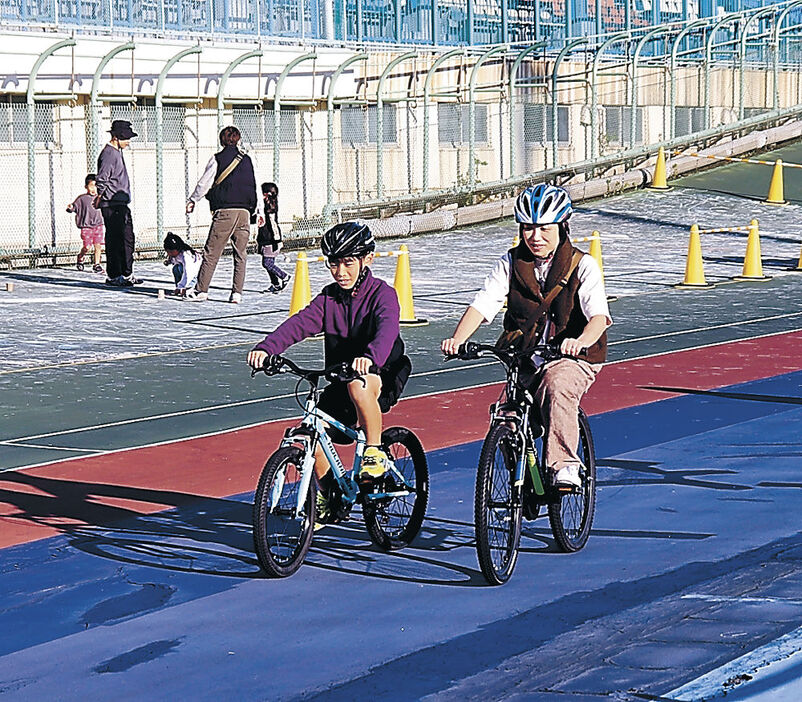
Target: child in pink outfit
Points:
x,y
90,221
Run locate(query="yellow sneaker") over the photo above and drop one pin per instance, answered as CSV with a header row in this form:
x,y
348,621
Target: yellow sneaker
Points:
x,y
374,463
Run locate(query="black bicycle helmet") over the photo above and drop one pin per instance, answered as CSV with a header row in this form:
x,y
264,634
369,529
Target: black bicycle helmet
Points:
x,y
348,239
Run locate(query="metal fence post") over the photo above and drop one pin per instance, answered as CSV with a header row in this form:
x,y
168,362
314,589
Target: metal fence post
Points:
x,y
594,127
672,69
221,86
511,99
160,135
330,129
30,100
472,111
427,84
380,119
277,109
742,57
93,150
567,49
775,43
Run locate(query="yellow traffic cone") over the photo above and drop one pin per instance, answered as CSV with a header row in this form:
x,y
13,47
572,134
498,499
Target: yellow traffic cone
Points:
x,y
659,178
776,195
753,262
301,289
403,288
595,249
694,268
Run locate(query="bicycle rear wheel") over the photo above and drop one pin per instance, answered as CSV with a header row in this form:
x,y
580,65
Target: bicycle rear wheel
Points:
x,y
280,537
393,522
497,505
571,515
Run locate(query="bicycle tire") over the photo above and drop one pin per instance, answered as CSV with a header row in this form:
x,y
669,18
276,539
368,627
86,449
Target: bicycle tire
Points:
x,y
571,515
497,505
393,522
281,540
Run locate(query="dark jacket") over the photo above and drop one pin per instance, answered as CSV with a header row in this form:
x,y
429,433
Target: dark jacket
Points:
x,y
565,311
238,190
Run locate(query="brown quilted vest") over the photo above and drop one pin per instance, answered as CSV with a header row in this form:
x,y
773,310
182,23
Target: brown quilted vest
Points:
x,y
526,295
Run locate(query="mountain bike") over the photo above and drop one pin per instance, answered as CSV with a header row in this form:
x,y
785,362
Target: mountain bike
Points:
x,y
512,484
285,504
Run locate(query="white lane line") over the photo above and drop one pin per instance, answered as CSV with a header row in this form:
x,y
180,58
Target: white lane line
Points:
x,y
12,442
227,405
701,329
203,436
762,663
742,600
277,397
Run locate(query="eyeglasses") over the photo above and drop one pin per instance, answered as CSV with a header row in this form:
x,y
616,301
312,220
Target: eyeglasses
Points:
x,y
348,262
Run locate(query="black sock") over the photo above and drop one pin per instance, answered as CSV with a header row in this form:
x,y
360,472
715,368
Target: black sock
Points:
x,y
327,482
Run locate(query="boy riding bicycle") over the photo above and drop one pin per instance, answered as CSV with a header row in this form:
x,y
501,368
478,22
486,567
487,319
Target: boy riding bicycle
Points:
x,y
359,317
555,294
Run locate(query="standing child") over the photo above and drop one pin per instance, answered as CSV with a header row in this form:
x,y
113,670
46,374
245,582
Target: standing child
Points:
x,y
90,221
186,263
269,240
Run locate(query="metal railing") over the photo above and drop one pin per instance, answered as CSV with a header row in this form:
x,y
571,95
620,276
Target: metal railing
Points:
x,y
421,129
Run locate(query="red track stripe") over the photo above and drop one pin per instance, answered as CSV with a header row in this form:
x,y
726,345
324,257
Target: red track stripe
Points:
x,y
100,490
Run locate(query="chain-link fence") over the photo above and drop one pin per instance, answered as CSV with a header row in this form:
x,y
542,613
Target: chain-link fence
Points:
x,y
429,124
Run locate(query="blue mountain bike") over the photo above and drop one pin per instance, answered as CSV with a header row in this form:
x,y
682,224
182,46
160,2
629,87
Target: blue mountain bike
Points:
x,y
284,509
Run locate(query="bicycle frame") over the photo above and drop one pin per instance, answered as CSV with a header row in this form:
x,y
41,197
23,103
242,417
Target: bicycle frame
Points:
x,y
312,431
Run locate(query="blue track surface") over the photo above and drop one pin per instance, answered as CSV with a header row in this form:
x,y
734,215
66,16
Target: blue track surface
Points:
x,y
173,604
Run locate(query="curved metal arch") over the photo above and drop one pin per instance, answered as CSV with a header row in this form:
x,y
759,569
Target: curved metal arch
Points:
x,y
380,118
673,66
742,55
708,58
160,134
775,44
620,36
516,65
362,56
94,138
651,34
256,53
427,83
30,101
567,49
472,109
311,56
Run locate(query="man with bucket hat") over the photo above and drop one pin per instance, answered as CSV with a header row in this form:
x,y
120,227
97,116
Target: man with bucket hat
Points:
x,y
113,198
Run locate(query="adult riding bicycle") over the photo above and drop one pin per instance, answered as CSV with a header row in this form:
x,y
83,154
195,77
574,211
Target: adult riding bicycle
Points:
x,y
285,504
511,483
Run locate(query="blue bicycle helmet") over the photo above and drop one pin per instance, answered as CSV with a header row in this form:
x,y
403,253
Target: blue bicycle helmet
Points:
x,y
543,204
348,239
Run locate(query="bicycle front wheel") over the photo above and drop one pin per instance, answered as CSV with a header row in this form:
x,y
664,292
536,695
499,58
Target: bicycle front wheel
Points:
x,y
497,505
571,515
281,537
393,522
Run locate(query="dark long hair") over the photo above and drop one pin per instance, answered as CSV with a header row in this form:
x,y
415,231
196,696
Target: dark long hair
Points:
x,y
173,242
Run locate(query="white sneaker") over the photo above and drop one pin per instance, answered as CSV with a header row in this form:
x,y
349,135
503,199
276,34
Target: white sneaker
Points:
x,y
235,298
567,477
196,296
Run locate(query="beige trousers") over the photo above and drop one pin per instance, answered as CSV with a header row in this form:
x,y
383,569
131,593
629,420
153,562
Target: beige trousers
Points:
x,y
562,385
227,224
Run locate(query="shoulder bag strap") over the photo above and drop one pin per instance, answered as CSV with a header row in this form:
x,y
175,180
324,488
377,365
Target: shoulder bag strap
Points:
x,y
227,172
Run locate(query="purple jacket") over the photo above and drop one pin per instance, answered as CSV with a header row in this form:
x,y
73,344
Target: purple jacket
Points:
x,y
364,325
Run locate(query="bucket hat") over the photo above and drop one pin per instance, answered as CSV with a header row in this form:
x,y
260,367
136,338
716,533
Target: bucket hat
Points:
x,y
121,128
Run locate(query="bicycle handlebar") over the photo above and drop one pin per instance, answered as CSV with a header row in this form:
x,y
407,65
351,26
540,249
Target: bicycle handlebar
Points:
x,y
472,350
275,364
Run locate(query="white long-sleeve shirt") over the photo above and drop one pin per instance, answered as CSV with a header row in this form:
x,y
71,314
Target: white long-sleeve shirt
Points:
x,y
191,264
490,300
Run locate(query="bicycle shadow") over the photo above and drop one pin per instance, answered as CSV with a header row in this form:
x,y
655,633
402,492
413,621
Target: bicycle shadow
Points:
x,y
180,531
200,535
